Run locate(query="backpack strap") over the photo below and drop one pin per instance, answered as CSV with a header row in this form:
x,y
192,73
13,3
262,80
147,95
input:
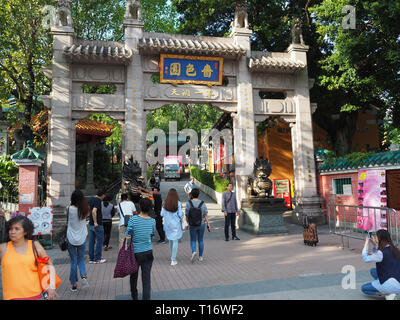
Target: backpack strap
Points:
x,y
120,210
201,203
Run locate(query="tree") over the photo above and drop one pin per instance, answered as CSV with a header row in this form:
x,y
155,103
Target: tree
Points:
x,y
354,69
25,50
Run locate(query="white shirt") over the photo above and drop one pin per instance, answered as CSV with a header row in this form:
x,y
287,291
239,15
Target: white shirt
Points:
x,y
391,285
77,230
128,208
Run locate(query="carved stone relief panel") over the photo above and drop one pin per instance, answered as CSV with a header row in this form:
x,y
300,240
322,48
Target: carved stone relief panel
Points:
x,y
190,93
272,106
272,80
98,73
150,63
98,102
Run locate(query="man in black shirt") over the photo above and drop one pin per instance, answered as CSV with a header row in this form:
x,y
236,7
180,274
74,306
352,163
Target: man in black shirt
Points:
x,y
96,229
157,210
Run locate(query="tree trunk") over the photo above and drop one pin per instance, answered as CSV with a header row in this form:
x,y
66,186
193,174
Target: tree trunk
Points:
x,y
345,130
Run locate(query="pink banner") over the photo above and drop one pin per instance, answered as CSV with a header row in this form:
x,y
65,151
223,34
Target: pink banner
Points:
x,y
371,193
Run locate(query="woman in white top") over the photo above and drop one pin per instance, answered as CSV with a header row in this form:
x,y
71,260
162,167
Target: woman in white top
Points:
x,y
387,271
76,236
172,214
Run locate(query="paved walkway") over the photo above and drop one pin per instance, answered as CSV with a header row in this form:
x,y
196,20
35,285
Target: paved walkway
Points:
x,y
256,267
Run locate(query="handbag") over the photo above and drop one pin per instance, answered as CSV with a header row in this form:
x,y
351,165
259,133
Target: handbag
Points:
x,y
62,241
126,262
184,223
45,271
126,218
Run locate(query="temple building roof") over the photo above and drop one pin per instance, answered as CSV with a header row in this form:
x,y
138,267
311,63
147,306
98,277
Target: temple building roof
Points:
x,y
91,127
98,51
270,62
162,43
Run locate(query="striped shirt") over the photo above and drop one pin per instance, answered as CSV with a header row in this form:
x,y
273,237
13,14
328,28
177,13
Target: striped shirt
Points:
x,y
141,230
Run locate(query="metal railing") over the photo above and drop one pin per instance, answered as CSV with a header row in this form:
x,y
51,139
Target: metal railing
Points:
x,y
356,221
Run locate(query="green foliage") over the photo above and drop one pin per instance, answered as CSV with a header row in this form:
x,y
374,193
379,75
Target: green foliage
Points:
x,y
212,180
9,178
196,117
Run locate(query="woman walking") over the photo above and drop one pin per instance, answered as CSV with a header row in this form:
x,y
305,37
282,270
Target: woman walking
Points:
x,y
76,237
197,231
172,214
108,211
387,271
140,229
20,278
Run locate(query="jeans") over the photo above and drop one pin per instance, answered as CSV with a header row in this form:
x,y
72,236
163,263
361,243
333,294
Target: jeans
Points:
x,y
197,233
230,219
107,224
368,288
145,262
96,236
77,259
173,245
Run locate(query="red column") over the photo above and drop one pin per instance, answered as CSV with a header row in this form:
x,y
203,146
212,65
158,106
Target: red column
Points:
x,y
28,187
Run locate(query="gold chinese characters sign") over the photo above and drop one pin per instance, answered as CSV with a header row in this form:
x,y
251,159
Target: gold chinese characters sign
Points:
x,y
181,69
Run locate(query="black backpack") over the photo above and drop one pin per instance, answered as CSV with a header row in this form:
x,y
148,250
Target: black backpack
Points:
x,y
195,215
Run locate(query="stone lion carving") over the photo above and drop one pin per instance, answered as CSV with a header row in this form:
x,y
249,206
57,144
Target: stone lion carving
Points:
x,y
259,185
132,176
64,17
133,10
297,32
241,17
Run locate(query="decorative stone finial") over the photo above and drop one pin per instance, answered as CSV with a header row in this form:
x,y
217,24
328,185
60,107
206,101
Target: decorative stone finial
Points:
x,y
241,18
64,17
297,31
133,10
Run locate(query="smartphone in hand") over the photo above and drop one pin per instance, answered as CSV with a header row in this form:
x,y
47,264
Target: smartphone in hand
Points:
x,y
208,228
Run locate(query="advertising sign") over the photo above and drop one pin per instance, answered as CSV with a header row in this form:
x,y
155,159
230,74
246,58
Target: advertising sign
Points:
x,y
371,193
281,189
183,69
42,219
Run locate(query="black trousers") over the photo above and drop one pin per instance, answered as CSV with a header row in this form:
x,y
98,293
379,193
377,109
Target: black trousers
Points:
x,y
107,224
159,226
230,219
145,262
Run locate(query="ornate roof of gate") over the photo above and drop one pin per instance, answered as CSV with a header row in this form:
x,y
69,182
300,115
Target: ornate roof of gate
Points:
x,y
155,43
273,61
99,51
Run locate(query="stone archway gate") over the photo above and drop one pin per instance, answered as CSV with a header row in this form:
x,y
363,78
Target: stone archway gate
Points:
x,y
129,67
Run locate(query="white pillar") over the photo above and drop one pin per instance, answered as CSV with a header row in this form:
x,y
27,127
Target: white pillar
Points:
x,y
135,118
307,200
244,128
61,162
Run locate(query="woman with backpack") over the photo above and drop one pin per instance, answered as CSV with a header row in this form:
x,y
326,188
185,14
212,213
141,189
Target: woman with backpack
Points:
x,y
172,214
197,217
387,271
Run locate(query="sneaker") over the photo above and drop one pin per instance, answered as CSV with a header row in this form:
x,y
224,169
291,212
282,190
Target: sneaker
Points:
x,y
109,247
194,254
235,238
100,261
74,289
85,283
105,248
226,239
391,297
92,261
174,263
200,259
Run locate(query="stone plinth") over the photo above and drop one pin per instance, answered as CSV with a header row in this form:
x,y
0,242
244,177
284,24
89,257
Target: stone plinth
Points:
x,y
264,216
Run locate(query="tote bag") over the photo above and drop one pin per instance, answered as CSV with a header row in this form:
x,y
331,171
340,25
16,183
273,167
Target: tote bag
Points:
x,y
126,262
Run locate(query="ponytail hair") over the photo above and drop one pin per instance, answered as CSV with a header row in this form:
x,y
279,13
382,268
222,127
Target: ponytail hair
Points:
x,y
384,239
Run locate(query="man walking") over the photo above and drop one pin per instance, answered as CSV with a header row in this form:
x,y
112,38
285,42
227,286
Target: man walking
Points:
x,y
189,187
230,209
96,229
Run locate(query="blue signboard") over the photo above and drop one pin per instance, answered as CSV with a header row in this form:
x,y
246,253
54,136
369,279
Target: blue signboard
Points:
x,y
191,69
